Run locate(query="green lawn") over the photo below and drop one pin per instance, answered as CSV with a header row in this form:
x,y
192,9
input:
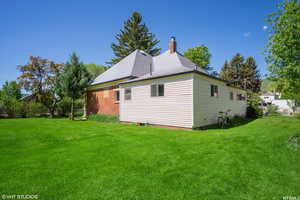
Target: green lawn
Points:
x,y
60,159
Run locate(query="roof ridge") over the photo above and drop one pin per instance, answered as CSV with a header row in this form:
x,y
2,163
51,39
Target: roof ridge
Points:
x,y
134,61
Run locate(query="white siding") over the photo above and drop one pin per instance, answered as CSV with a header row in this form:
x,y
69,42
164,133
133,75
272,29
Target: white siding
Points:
x,y
206,108
175,108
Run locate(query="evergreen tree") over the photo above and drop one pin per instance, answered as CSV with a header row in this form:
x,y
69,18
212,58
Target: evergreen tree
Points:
x,y
74,80
226,71
242,73
236,65
250,75
135,35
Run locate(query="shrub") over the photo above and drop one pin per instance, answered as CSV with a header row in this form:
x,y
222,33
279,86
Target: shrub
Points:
x,y
64,106
297,115
10,106
32,109
272,110
104,118
254,112
253,109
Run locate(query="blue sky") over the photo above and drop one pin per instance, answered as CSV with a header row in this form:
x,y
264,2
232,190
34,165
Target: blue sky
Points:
x,y
54,28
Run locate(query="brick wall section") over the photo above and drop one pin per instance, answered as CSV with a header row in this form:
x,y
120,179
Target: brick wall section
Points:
x,y
102,101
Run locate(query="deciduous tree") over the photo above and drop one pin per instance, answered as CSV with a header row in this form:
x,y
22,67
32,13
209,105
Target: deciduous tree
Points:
x,y
200,56
283,49
40,77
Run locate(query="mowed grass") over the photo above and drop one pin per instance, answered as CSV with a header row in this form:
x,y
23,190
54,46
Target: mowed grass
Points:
x,y
61,159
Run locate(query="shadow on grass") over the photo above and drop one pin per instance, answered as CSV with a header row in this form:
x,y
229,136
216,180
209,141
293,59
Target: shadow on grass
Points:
x,y
236,122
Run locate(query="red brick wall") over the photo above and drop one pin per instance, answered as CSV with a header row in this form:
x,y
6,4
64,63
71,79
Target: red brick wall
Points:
x,y
102,101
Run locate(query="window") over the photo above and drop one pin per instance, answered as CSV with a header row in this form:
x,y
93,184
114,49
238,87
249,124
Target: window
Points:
x,y
117,95
157,90
127,93
231,96
240,97
214,91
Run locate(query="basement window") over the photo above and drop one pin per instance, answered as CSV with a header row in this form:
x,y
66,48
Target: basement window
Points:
x,y
127,93
214,91
157,90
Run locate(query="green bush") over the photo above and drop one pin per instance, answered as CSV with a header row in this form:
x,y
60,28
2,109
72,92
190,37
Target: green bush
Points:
x,y
33,109
297,115
10,106
253,109
64,106
104,118
272,110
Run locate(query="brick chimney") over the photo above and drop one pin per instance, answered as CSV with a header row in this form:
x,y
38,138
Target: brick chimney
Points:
x,y
172,45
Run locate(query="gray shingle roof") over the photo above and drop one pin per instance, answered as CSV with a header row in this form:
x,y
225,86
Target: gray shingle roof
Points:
x,y
135,64
138,63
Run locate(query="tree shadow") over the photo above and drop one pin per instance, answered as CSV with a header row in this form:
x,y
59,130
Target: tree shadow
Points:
x,y
236,122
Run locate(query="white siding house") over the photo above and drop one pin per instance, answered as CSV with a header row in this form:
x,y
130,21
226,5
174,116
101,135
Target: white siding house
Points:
x,y
207,107
167,89
187,101
175,108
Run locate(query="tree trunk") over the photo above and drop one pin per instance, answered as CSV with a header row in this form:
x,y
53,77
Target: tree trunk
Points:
x,y
72,110
84,117
51,112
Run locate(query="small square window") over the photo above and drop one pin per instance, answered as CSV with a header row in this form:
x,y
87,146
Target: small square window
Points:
x,y
157,90
127,93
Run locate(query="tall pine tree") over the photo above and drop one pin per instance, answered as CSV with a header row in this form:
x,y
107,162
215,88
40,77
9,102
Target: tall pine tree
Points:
x,y
250,75
242,73
226,72
135,35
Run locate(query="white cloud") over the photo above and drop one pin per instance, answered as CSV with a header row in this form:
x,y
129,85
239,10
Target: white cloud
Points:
x,y
247,34
265,28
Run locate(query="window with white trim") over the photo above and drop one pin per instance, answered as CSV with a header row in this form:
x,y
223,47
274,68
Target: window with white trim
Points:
x,y
127,95
157,90
214,91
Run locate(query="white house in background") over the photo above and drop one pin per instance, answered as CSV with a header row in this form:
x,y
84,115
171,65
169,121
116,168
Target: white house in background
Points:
x,y
284,105
167,89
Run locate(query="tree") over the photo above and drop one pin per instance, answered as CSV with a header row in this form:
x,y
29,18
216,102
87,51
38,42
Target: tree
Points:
x,y
250,75
242,73
74,80
135,35
9,98
226,71
40,77
200,56
283,48
12,89
95,70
